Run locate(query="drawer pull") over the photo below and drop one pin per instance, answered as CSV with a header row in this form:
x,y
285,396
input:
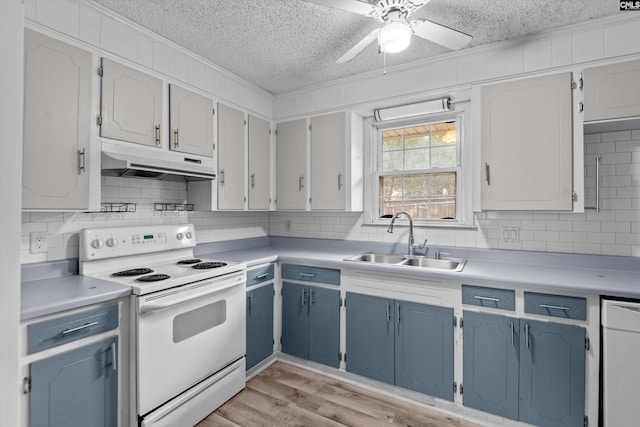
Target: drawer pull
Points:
x,y
308,275
261,276
486,298
555,307
78,328
526,335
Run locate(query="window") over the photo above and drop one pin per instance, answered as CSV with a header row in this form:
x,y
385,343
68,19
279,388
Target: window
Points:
x,y
418,169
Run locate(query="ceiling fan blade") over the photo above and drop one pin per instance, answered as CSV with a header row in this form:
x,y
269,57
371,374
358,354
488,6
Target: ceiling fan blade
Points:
x,y
354,6
359,47
445,36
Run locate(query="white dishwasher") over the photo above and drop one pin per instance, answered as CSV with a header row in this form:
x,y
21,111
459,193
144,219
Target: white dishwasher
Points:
x,y
621,370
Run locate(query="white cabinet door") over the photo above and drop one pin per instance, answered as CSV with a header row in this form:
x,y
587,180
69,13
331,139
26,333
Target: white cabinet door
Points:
x,y
190,122
57,110
231,158
337,162
259,163
612,91
291,165
526,141
131,105
328,142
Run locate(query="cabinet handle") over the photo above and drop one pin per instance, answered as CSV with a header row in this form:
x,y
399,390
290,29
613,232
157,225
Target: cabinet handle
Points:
x,y
114,355
339,181
304,299
253,180
222,177
311,301
250,302
157,134
526,335
307,276
555,307
388,313
261,276
398,313
78,328
486,168
513,340
82,161
300,183
175,138
481,298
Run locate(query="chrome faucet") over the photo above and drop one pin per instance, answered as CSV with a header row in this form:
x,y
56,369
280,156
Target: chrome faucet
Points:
x,y
393,220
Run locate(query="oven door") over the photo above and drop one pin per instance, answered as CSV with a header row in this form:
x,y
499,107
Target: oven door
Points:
x,y
186,334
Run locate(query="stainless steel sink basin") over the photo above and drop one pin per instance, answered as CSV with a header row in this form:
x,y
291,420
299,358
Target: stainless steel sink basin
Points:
x,y
443,264
451,264
377,258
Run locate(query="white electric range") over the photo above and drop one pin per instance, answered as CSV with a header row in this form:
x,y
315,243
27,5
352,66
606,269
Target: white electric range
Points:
x,y
188,316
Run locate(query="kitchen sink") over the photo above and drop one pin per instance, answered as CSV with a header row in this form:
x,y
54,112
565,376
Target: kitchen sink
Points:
x,y
451,264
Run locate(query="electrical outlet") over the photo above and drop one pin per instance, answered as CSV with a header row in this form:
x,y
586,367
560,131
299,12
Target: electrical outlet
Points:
x,y
38,242
510,234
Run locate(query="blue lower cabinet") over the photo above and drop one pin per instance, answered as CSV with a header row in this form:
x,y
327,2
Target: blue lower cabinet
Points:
x,y
311,323
491,363
371,337
402,343
78,388
524,369
424,349
259,324
552,379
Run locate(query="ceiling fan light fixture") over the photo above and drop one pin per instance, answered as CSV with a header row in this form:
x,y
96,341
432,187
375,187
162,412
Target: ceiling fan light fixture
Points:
x,y
395,36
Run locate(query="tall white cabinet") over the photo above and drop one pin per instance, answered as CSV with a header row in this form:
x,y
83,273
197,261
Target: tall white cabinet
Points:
x,y
337,162
526,137
131,105
231,157
259,179
57,115
190,122
291,165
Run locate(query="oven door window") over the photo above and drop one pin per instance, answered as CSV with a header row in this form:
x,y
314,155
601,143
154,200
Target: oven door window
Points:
x,y
194,322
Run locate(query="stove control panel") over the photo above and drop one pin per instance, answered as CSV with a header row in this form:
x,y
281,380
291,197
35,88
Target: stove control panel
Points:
x,y
100,243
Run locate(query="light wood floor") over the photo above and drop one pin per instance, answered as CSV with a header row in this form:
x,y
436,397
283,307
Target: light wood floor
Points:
x,y
285,395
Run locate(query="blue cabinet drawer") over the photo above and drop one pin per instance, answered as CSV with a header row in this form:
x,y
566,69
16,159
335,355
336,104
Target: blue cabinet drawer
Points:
x,y
555,305
504,299
260,274
62,330
311,274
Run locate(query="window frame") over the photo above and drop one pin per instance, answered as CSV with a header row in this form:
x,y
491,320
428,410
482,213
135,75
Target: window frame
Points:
x,y
373,153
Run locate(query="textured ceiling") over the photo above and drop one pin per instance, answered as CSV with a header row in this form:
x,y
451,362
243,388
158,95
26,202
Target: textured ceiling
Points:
x,y
284,45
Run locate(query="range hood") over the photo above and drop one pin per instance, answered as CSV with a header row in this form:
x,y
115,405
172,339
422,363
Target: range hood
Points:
x,y
131,161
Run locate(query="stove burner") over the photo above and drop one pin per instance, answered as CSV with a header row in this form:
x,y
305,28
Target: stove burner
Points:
x,y
208,265
132,272
189,261
153,278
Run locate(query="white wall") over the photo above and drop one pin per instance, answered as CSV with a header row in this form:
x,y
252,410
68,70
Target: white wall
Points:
x,y
11,88
613,231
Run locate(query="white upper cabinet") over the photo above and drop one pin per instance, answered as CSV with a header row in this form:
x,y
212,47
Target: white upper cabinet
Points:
x,y
612,91
190,122
231,158
131,105
526,137
57,111
259,163
291,165
336,162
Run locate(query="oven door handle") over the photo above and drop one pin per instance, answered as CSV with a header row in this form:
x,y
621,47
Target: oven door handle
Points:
x,y
170,301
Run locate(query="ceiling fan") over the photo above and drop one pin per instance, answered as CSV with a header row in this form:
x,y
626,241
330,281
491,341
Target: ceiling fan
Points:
x,y
395,34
